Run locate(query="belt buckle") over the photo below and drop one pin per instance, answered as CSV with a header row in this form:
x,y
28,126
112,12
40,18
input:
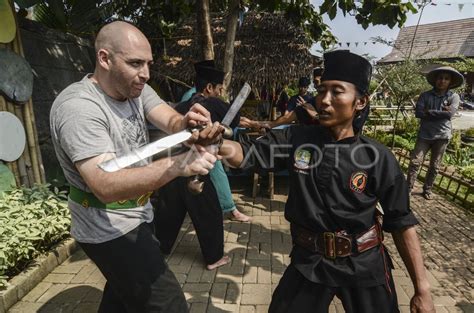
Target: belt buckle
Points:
x,y
143,199
330,238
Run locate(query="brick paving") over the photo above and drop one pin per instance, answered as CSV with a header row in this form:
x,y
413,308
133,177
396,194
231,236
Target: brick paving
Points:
x,y
259,254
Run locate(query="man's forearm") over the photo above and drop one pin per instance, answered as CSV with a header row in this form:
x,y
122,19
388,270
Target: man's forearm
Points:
x,y
176,123
436,114
232,153
166,118
133,182
283,120
408,245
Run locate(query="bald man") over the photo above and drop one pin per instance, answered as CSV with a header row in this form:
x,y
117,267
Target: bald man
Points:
x,y
103,116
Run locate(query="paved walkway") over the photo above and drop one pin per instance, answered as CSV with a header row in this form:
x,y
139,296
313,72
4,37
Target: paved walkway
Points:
x,y
259,254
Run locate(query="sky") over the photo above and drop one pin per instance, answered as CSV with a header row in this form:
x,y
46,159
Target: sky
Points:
x,y
347,30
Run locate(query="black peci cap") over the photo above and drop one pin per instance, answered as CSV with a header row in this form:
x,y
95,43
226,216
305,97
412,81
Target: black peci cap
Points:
x,y
207,70
304,82
349,67
318,71
205,63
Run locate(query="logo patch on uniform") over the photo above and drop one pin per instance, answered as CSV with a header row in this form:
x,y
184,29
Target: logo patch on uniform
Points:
x,y
358,181
302,159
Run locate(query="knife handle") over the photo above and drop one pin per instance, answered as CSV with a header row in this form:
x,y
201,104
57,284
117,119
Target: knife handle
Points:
x,y
195,185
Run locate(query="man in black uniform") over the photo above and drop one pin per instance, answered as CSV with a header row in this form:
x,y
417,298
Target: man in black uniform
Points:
x,y
317,73
175,200
336,179
300,108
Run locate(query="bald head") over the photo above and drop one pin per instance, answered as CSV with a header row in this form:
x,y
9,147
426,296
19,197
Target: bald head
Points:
x,y
118,37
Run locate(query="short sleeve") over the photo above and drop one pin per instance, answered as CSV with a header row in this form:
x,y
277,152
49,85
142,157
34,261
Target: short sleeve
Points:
x,y
150,99
81,129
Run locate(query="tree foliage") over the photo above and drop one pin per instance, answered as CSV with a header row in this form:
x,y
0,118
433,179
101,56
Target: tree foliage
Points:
x,y
463,65
161,17
404,80
153,17
75,16
405,83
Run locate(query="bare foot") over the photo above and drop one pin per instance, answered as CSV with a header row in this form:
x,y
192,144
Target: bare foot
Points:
x,y
223,261
239,216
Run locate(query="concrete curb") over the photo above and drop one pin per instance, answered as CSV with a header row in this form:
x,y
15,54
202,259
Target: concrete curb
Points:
x,y
21,284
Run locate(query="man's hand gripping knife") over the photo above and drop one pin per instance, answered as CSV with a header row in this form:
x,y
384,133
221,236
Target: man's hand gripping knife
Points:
x,y
209,139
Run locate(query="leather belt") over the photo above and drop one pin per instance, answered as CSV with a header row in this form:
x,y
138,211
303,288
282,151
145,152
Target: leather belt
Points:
x,y
337,244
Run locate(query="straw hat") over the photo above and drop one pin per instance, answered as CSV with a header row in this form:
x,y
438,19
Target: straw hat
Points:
x,y
456,78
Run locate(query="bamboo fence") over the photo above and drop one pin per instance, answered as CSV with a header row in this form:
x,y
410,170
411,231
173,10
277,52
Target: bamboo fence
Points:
x,y
455,187
28,169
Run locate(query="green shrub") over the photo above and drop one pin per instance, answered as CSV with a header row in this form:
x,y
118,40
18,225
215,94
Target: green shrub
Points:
x,y
380,136
404,143
455,142
386,139
407,128
468,171
31,221
470,132
460,157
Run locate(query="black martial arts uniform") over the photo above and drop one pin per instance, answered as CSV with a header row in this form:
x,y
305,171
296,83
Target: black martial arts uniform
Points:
x,y
334,187
204,209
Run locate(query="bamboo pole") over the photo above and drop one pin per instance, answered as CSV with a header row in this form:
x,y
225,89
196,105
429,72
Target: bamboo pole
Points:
x,y
38,148
32,159
12,167
16,168
26,121
25,179
32,146
3,104
21,166
30,120
24,161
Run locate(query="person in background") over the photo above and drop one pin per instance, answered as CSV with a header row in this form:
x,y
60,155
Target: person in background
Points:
x,y
188,94
282,101
218,174
300,108
317,72
435,109
175,199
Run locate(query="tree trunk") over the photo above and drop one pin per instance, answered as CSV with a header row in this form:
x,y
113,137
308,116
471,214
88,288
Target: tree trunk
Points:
x,y
204,27
232,20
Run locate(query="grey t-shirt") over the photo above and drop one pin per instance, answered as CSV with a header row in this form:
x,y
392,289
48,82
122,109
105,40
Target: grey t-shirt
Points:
x,y
85,122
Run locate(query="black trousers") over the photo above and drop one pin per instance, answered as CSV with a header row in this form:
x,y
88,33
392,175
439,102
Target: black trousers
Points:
x,y
296,294
138,279
174,200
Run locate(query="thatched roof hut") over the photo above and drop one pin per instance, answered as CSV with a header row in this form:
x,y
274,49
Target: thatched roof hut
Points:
x,y
269,51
